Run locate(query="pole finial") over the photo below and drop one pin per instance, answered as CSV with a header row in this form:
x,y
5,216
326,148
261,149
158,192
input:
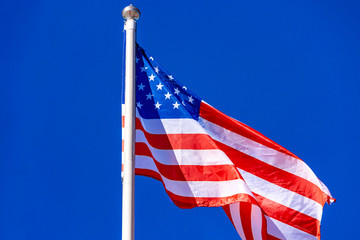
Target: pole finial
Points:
x,y
131,12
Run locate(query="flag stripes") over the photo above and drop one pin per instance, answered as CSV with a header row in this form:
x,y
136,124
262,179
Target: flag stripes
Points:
x,y
280,159
273,174
288,215
248,220
146,167
280,195
221,182
190,172
272,193
285,231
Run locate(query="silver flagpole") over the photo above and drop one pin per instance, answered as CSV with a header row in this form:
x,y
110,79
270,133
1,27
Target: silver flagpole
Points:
x,y
130,14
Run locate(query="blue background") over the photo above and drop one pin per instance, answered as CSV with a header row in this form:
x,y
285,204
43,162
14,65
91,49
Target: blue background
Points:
x,y
289,69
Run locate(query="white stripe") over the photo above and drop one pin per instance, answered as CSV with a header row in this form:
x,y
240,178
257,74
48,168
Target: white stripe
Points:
x,y
281,195
171,126
206,189
143,162
283,231
260,152
186,156
235,215
256,222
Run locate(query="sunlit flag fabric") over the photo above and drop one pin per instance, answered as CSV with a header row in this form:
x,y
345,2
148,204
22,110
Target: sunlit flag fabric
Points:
x,y
205,158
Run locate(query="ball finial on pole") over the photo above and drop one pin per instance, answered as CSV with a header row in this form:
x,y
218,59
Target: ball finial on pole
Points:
x,y
131,12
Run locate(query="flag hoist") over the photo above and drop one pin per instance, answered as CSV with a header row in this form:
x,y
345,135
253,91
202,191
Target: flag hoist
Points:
x,y
130,14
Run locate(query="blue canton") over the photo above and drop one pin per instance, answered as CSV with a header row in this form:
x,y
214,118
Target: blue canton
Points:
x,y
159,94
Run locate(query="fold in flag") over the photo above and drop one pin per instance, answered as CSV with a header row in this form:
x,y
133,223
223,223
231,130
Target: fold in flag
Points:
x,y
206,158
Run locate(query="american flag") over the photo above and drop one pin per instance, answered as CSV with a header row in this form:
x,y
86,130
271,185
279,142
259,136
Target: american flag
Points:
x,y
206,158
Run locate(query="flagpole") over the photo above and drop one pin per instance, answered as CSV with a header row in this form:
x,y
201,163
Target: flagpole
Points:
x,y
130,14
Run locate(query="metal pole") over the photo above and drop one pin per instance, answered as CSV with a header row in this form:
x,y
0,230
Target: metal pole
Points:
x,y
130,14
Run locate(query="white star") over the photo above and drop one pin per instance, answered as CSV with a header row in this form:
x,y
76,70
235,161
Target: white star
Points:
x,y
184,87
157,105
176,105
141,87
156,69
137,60
143,69
191,100
168,95
183,103
170,77
159,86
151,77
149,96
176,91
139,105
151,58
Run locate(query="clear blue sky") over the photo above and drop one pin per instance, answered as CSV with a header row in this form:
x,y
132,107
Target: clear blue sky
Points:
x,y
289,69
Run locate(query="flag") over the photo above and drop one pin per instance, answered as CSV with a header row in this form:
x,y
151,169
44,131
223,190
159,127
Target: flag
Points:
x,y
206,158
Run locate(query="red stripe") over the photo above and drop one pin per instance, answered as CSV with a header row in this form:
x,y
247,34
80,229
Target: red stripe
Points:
x,y
264,234
226,209
215,116
191,202
289,216
241,160
245,216
190,172
148,173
